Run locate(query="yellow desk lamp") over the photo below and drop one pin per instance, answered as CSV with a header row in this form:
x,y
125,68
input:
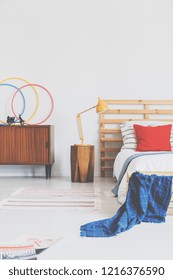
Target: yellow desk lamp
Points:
x,y
100,107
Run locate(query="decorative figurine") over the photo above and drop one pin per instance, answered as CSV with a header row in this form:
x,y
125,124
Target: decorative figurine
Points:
x,y
10,120
21,120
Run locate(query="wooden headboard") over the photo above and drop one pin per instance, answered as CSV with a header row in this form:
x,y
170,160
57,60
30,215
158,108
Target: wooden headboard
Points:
x,y
119,112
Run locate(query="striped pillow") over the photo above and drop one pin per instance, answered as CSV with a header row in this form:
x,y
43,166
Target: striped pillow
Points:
x,y
129,137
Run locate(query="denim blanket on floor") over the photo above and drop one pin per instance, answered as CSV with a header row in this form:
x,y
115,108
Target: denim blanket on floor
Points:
x,y
147,200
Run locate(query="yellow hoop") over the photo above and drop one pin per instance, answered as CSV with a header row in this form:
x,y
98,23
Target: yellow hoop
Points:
x,y
36,94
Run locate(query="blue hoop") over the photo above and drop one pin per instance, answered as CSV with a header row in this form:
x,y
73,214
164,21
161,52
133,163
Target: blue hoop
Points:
x,y
24,103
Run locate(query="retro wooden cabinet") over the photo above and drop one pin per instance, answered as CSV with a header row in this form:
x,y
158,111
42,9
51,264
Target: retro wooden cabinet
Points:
x,y
27,145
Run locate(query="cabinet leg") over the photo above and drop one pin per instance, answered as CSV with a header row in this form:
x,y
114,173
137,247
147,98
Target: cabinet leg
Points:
x,y
48,169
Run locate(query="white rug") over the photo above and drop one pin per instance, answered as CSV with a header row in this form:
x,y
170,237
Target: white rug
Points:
x,y
170,209
37,198
55,192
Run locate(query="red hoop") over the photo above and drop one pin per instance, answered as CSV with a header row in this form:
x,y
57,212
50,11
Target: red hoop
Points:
x,y
34,85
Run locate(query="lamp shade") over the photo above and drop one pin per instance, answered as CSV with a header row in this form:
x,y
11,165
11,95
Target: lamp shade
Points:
x,y
101,106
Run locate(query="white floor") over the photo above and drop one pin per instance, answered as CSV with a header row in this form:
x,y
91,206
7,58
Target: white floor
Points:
x,y
144,241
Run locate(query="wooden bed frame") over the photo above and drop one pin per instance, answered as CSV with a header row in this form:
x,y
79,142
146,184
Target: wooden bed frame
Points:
x,y
126,110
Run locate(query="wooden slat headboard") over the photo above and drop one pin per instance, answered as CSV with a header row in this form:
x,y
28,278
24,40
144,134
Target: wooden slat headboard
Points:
x,y
119,112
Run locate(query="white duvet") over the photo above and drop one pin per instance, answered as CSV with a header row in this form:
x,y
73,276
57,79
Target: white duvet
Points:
x,y
151,163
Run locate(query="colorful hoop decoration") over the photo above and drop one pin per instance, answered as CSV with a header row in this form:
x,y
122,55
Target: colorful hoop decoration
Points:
x,y
36,94
24,104
34,85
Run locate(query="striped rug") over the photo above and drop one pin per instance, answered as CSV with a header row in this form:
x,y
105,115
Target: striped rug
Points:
x,y
37,198
55,192
170,209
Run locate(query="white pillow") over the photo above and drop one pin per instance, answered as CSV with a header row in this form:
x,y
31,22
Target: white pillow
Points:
x,y
128,133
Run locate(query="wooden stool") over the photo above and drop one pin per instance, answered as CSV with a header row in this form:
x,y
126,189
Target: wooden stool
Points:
x,y
82,163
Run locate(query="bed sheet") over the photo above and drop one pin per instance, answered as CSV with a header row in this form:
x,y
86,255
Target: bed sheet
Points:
x,y
161,162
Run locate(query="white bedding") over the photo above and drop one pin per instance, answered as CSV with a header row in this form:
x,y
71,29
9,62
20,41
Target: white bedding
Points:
x,y
163,162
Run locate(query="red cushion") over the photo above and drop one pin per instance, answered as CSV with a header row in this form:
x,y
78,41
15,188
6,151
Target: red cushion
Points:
x,y
153,138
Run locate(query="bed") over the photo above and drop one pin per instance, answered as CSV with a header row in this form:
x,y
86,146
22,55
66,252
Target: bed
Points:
x,y
116,149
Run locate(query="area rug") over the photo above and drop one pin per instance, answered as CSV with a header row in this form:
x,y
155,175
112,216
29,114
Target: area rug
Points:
x,y
15,203
37,198
55,192
170,209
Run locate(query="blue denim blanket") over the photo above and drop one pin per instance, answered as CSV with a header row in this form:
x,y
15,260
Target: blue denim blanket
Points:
x,y
126,164
147,200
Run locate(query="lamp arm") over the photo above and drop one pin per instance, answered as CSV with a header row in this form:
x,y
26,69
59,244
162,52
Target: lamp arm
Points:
x,y
86,110
79,124
101,106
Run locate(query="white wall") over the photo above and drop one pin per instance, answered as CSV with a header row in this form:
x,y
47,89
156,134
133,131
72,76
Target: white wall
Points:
x,y
82,49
